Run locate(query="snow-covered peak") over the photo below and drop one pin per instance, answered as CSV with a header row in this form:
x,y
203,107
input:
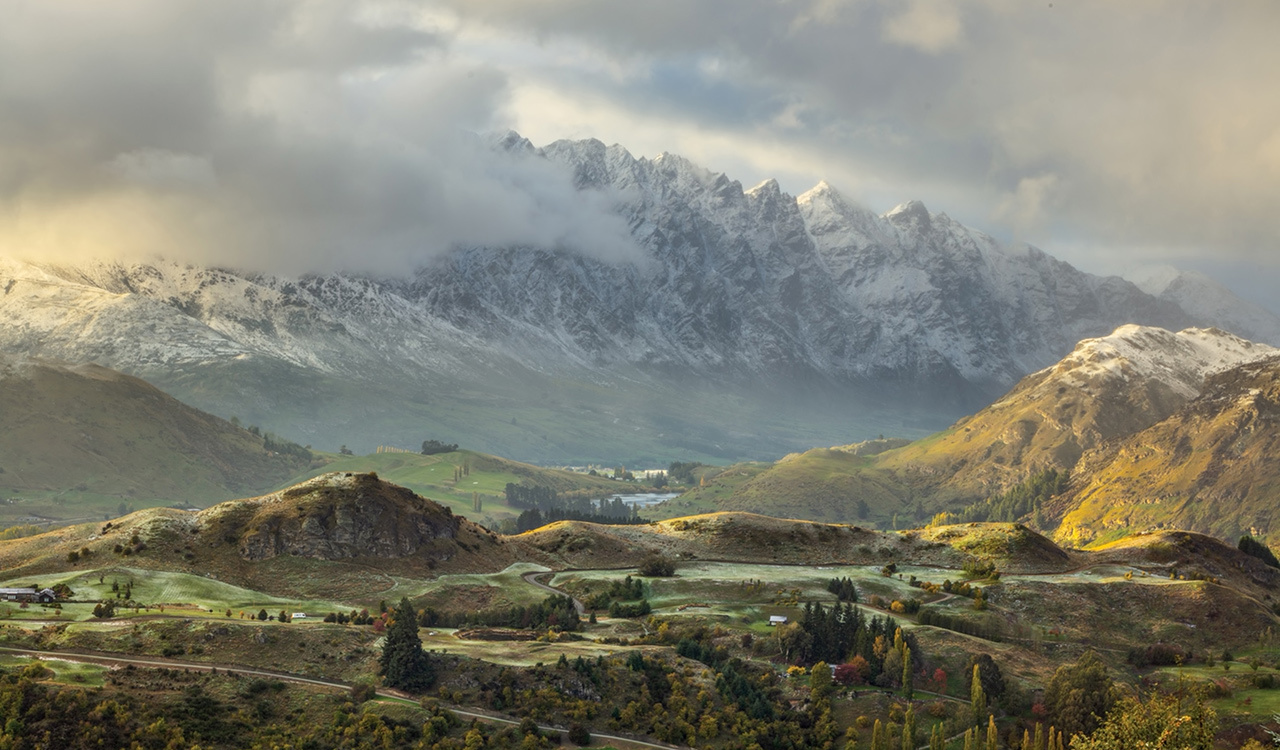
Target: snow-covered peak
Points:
x,y
767,188
1180,360
1206,299
910,210
1156,280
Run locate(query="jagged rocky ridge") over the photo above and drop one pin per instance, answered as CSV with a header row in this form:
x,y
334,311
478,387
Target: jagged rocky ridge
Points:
x,y
750,292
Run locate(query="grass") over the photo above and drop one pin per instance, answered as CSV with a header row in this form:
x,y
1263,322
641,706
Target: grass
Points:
x,y
433,477
514,653
155,587
506,585
65,672
823,484
725,587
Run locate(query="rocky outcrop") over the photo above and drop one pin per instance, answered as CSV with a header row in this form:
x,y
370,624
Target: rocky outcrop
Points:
x,y
341,516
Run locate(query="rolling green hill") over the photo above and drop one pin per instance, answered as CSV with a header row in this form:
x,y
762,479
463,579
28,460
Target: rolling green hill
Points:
x,y
436,477
81,441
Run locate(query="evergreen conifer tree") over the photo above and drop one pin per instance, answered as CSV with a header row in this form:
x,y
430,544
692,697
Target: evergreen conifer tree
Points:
x,y
404,664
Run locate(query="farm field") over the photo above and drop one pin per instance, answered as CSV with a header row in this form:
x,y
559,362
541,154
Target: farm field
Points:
x,y
156,588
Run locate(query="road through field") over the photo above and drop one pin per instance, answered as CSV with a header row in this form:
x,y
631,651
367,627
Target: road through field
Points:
x,y
532,579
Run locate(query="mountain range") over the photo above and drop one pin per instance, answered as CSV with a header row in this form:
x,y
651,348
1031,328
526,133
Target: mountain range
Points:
x,y
753,322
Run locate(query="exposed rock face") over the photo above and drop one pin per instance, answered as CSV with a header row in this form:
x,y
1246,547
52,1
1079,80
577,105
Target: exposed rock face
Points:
x,y
342,516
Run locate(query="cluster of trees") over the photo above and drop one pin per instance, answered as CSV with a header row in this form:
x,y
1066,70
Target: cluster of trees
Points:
x,y
843,588
682,471
838,633
627,590
544,505
535,518
355,618
731,683
1254,548
657,566
1018,501
986,627
432,447
284,446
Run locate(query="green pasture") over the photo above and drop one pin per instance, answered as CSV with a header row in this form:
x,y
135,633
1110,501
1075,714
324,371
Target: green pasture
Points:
x,y
433,477
155,588
1098,574
508,581
726,586
66,672
514,653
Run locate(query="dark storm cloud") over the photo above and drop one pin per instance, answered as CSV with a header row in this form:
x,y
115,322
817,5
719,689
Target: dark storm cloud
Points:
x,y
288,136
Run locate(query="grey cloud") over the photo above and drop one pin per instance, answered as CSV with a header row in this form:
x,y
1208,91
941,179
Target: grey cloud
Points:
x,y
1153,123
292,136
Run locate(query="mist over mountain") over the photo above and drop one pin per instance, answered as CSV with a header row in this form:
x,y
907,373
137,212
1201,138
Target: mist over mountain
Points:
x,y
754,323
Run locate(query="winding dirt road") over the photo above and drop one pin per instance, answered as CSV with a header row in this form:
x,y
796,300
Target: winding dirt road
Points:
x,y
532,580
120,660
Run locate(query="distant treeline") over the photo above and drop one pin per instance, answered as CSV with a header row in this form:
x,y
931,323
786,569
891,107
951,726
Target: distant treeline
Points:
x,y
682,471
276,444
985,628
544,505
432,447
1021,500
284,446
1254,548
535,519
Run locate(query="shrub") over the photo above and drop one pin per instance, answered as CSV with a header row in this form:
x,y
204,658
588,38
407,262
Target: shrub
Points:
x,y
657,566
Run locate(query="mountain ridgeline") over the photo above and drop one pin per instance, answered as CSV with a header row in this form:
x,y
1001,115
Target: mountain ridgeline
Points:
x,y
750,322
1142,430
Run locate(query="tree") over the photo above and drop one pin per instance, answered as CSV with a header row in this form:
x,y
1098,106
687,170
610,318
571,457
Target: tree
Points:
x,y
262,615
989,672
853,672
1163,720
579,735
820,681
657,566
1079,695
908,676
432,447
909,729
1251,546
404,664
977,696
345,451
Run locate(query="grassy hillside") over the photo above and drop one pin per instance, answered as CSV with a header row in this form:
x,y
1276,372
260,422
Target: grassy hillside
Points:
x,y
82,441
434,477
1209,468
826,484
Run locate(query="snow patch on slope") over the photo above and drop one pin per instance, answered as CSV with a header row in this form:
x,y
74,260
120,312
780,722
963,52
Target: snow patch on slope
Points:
x,y
1180,360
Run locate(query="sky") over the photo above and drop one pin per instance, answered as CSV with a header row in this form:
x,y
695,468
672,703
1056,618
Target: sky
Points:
x,y
300,135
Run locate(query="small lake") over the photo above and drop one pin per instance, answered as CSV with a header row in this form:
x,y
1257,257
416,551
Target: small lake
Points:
x,y
645,499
